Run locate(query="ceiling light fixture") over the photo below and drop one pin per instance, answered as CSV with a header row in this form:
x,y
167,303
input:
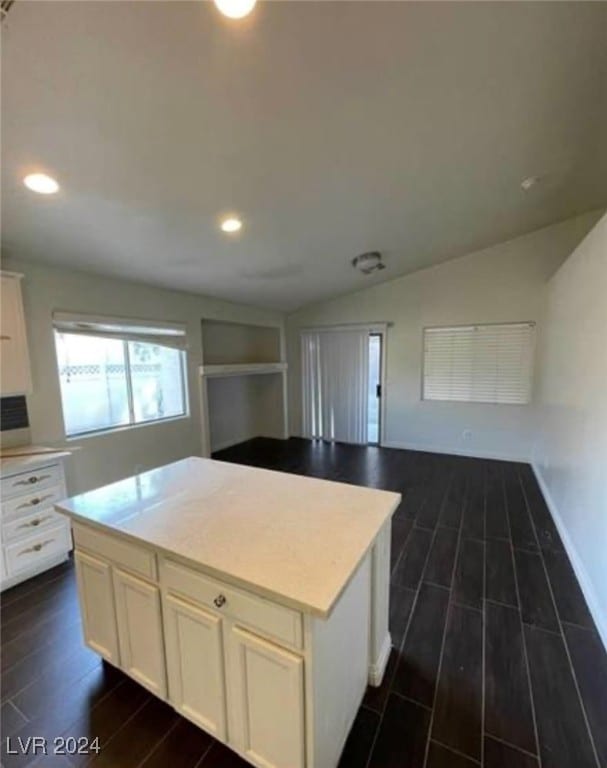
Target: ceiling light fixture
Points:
x,y
369,262
231,224
41,183
235,9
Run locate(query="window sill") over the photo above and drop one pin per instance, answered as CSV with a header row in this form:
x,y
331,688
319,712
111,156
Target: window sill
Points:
x,y
125,428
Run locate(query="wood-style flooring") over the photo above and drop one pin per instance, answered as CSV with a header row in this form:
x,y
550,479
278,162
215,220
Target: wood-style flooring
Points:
x,y
496,661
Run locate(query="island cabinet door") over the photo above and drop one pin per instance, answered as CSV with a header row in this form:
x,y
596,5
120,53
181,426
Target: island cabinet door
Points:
x,y
139,621
96,595
194,652
266,701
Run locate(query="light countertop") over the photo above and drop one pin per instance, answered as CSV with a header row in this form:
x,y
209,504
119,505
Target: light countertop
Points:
x,y
291,538
24,457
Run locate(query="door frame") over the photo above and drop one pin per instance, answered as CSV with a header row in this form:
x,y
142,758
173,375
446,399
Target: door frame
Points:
x,y
382,377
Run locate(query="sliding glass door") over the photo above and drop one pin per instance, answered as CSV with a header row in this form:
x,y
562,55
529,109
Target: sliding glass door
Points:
x,y
341,384
374,388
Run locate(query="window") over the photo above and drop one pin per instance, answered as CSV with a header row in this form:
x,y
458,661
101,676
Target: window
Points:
x,y
107,381
479,363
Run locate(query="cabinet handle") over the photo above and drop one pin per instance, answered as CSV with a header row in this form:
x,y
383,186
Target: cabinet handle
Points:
x,y
5,338
220,601
35,501
32,480
35,523
35,548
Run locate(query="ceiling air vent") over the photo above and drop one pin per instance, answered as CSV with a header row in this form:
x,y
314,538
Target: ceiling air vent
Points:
x,y
369,262
5,7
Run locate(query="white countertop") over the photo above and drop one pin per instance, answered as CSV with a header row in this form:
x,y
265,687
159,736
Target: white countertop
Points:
x,y
291,538
17,459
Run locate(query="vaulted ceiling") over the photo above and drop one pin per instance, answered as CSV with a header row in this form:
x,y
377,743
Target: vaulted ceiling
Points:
x,y
331,128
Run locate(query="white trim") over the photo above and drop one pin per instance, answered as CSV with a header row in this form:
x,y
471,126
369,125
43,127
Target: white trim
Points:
x,y
242,439
378,667
577,563
471,452
50,562
383,400
241,369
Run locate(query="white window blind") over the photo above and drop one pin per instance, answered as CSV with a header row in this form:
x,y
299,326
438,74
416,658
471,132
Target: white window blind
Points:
x,y
479,363
166,334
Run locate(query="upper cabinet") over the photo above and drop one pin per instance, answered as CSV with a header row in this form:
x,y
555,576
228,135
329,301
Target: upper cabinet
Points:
x,y
15,377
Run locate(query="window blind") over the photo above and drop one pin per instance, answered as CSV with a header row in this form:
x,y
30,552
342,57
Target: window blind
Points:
x,y
335,384
479,363
163,333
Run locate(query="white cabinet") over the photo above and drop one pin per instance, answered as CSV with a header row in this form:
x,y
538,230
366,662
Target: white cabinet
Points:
x,y
15,378
96,594
266,694
34,536
139,621
274,685
195,669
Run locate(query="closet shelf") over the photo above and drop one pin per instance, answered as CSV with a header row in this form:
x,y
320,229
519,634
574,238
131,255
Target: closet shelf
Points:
x,y
241,369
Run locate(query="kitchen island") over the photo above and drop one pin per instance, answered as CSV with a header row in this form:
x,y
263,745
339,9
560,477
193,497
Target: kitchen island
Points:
x,y
254,602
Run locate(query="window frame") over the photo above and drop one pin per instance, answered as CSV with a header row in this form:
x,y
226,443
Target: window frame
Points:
x,y
132,424
531,323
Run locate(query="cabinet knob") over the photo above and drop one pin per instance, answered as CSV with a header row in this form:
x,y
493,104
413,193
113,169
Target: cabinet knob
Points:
x,y
219,601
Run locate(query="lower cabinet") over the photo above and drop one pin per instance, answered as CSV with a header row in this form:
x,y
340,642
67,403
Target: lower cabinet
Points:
x,y
122,620
245,690
96,593
266,694
194,653
139,620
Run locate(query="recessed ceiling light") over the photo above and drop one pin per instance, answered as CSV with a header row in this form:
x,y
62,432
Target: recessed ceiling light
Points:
x,y
235,9
231,224
41,183
529,182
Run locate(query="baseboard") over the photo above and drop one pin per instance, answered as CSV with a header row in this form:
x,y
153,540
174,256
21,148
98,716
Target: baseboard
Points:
x,y
242,439
378,668
51,562
471,453
577,563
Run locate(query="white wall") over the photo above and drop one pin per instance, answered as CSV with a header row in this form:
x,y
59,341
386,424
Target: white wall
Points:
x,y
110,456
571,455
503,283
242,407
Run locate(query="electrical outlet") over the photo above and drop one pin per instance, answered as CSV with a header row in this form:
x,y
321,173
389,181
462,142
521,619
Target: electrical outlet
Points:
x,y
467,434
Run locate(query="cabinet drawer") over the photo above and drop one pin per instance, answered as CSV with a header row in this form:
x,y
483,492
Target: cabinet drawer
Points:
x,y
28,552
130,556
30,524
34,501
32,481
268,618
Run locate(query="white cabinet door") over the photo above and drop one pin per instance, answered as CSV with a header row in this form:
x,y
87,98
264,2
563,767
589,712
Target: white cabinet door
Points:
x,y
15,370
96,595
266,702
139,621
194,653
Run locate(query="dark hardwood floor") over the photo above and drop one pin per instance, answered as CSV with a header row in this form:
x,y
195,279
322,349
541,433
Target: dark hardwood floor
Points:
x,y
495,663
